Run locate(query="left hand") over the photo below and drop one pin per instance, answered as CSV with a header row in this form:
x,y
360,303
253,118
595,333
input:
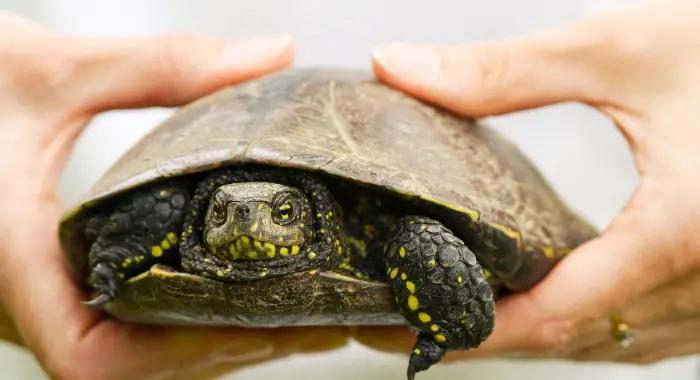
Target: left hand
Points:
x,y
52,85
639,66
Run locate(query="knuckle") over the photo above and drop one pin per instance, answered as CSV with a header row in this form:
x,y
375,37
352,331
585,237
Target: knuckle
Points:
x,y
554,338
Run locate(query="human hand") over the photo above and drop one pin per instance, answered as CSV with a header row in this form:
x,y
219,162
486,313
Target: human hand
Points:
x,y
52,86
639,66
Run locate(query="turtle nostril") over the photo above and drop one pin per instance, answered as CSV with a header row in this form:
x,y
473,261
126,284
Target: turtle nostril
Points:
x,y
243,210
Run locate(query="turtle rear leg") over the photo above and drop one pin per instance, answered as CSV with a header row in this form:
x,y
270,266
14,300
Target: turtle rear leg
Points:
x,y
440,289
143,229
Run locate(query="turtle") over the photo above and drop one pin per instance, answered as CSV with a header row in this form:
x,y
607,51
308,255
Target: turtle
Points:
x,y
320,196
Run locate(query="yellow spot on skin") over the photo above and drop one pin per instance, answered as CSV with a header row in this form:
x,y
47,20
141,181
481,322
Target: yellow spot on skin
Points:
x,y
156,251
424,317
165,244
416,351
393,273
270,249
459,279
244,240
402,252
172,237
431,263
439,338
403,276
434,327
220,273
487,274
311,255
295,249
254,226
322,231
257,244
412,302
284,251
411,287
163,193
252,254
260,206
301,225
234,253
263,274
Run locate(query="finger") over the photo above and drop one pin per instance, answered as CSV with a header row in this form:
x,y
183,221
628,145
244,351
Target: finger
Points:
x,y
490,78
676,299
652,343
164,70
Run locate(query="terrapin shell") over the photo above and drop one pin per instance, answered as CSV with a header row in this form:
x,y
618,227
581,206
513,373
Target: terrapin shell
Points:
x,y
345,124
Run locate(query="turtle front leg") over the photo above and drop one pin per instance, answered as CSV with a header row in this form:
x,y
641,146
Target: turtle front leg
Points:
x,y
142,230
440,289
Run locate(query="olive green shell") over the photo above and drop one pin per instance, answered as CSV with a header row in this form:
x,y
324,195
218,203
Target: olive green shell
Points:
x,y
345,124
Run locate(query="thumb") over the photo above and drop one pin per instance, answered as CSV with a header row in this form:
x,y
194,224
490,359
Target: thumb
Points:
x,y
484,79
165,70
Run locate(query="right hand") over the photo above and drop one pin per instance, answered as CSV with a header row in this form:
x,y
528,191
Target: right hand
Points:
x,y
640,66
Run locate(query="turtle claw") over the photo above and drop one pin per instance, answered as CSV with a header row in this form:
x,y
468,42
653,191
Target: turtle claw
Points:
x,y
106,281
99,301
425,354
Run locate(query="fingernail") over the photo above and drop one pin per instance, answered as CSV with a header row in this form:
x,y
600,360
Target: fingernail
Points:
x,y
244,351
254,51
408,59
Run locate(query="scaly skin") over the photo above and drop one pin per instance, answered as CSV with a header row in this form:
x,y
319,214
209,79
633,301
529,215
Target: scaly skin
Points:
x,y
440,289
231,230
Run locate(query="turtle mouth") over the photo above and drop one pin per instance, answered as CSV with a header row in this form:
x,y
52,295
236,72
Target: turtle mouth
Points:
x,y
245,248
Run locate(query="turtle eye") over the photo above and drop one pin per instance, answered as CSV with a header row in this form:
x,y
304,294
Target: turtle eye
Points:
x,y
218,213
285,210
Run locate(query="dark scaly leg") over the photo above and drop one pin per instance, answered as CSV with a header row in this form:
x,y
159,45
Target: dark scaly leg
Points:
x,y
440,289
142,230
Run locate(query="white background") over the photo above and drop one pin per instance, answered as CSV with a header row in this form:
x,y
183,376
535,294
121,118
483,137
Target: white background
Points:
x,y
580,152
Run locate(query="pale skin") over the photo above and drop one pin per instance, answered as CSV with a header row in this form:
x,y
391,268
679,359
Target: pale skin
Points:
x,y
51,87
638,66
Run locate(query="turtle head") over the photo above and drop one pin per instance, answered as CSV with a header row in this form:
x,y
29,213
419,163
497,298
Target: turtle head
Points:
x,y
257,221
